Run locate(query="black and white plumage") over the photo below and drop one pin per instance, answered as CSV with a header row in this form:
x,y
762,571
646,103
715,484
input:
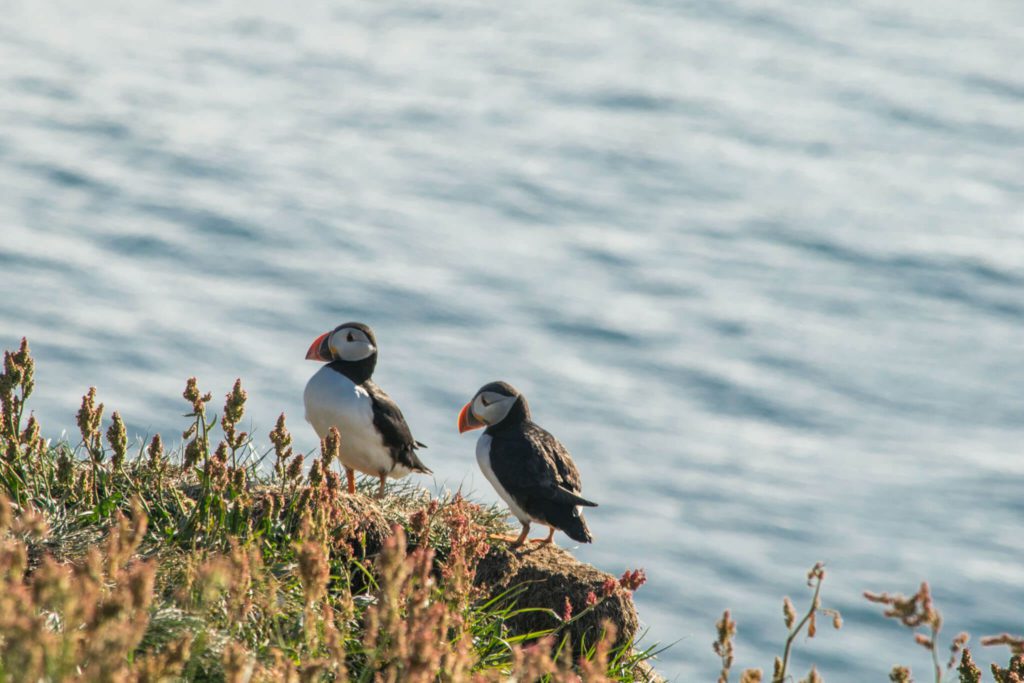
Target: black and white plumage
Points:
x,y
528,467
375,438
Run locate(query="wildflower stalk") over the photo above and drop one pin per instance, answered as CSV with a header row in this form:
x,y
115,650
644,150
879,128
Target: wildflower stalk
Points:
x,y
919,611
815,577
282,440
117,437
794,632
234,409
723,646
195,450
276,587
89,418
936,666
968,670
16,385
16,446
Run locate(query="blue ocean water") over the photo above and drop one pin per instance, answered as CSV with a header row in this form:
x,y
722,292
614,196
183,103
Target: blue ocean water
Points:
x,y
759,265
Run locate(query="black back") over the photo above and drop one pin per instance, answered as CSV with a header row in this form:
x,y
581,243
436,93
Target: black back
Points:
x,y
395,432
538,472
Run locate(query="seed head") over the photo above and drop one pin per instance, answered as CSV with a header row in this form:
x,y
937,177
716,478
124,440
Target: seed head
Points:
x,y
222,452
89,417
316,475
192,455
295,468
813,676
192,395
117,437
238,478
30,437
788,612
234,404
155,450
330,447
722,646
968,670
567,609
314,570
281,439
954,647
631,580
916,610
900,674
1015,643
18,370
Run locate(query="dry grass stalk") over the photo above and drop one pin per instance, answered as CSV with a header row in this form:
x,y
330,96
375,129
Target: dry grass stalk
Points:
x,y
211,568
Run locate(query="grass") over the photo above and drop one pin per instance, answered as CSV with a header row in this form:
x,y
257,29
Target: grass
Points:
x,y
916,612
218,562
215,561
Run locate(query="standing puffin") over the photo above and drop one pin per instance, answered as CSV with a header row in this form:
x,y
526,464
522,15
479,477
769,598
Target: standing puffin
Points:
x,y
374,436
529,468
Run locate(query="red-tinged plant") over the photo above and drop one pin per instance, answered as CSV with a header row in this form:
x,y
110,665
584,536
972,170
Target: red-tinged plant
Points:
x,y
918,611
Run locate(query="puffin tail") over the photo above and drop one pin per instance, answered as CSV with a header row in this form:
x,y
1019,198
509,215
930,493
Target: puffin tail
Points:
x,y
564,495
418,466
413,462
577,528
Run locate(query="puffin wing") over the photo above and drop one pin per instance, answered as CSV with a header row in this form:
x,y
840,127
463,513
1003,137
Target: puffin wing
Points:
x,y
539,474
566,475
561,477
395,432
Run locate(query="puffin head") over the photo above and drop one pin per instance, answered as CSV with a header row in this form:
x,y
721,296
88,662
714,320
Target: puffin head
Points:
x,y
348,343
493,403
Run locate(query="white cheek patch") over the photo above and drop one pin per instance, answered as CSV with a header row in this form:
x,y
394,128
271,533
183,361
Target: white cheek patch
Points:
x,y
496,409
357,349
479,409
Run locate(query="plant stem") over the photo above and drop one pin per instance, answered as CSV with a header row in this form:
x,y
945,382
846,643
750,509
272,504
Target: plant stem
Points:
x,y
796,631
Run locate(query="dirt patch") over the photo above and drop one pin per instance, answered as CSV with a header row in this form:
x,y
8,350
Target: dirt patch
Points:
x,y
550,575
363,526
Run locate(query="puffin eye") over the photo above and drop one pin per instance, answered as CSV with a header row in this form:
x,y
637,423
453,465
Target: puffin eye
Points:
x,y
485,401
351,337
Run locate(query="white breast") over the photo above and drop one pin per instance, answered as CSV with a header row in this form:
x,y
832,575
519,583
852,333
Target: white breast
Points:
x,y
483,458
333,400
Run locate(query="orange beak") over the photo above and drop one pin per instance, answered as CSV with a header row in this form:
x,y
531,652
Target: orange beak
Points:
x,y
467,420
320,349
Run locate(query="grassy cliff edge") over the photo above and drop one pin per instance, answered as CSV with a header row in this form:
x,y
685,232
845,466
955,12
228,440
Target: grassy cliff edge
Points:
x,y
216,561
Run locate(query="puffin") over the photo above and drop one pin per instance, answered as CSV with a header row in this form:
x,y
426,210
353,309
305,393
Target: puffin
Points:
x,y
528,467
375,438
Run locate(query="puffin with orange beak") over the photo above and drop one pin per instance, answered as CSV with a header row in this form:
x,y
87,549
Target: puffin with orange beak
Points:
x,y
375,438
528,467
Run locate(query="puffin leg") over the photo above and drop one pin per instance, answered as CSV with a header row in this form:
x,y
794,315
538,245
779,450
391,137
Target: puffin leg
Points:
x,y
383,482
546,541
350,475
522,537
515,541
